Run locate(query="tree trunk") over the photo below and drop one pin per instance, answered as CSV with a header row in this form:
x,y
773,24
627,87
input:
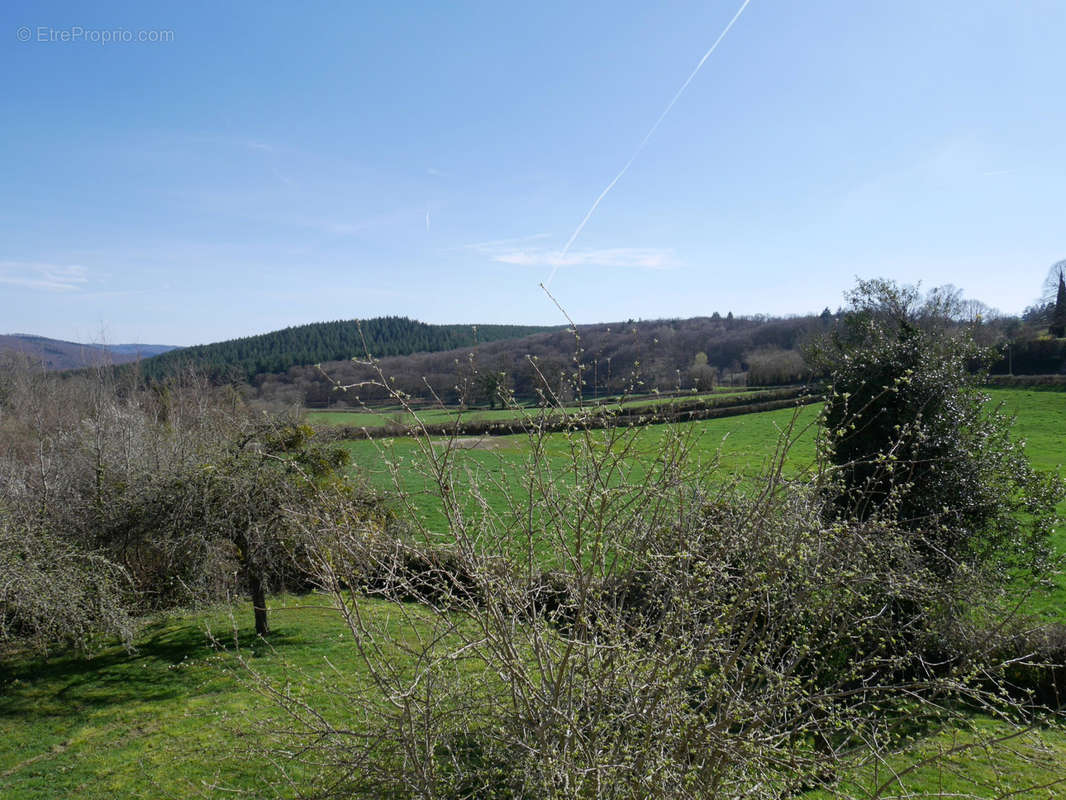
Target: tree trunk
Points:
x,y
259,603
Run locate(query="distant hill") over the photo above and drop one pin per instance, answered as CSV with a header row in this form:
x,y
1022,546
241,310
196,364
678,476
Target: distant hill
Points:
x,y
141,350
634,356
59,354
318,342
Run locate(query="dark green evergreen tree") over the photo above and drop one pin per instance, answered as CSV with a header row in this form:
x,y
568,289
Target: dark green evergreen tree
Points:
x,y
1058,316
303,345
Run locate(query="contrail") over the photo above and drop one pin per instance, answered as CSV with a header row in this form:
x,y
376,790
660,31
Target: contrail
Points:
x,y
644,141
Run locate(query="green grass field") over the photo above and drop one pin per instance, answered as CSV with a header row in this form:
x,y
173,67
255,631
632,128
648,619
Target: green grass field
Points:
x,y
1040,420
158,722
178,717
164,721
745,444
742,446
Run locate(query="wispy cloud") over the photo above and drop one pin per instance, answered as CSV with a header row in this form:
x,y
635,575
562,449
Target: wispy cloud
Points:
x,y
494,245
624,257
44,277
280,176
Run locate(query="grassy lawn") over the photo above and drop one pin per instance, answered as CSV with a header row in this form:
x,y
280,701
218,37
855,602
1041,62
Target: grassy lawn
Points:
x,y
162,721
177,717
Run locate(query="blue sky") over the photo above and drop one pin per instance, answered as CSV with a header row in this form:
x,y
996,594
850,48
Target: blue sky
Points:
x,y
275,164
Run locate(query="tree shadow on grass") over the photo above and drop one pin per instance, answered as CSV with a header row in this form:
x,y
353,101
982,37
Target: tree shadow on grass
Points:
x,y
169,660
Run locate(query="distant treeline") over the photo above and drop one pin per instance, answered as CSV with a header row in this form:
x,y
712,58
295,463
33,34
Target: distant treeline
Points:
x,y
634,357
245,358
481,365
631,357
1040,356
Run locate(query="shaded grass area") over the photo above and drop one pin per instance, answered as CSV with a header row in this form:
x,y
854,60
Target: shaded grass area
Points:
x,y
162,721
176,718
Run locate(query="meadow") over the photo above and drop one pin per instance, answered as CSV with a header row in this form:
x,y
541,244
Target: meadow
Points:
x,y
729,450
179,716
742,446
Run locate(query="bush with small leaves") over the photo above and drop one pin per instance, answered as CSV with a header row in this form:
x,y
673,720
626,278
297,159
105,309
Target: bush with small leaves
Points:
x,y
55,593
912,440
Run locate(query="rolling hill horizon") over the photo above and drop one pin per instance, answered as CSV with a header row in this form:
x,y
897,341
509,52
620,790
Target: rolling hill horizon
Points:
x,y
59,354
317,342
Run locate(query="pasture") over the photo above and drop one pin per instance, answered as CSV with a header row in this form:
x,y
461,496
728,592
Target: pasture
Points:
x,y
733,449
735,446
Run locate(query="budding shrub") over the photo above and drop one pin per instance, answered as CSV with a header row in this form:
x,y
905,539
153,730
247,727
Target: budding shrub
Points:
x,y
913,440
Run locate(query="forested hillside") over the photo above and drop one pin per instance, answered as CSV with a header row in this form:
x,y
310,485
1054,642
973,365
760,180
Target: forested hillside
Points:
x,y
641,356
635,356
474,364
311,344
